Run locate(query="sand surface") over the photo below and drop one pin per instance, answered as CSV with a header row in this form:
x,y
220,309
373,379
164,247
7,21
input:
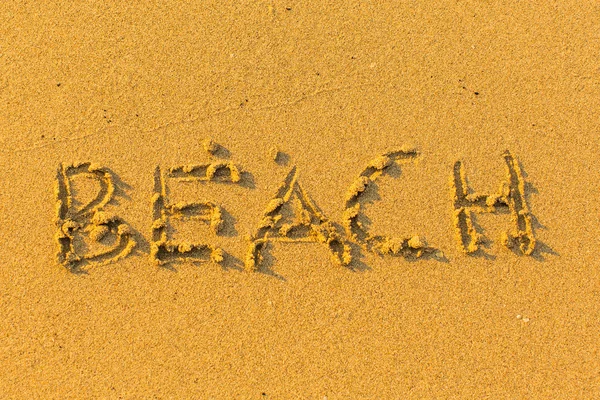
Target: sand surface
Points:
x,y
355,228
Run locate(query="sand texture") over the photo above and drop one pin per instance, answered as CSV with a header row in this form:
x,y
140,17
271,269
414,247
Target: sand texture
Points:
x,y
299,200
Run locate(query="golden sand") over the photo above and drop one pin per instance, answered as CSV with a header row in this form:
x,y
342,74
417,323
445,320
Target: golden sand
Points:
x,y
269,200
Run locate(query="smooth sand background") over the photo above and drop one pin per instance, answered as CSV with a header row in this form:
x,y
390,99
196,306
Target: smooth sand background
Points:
x,y
133,85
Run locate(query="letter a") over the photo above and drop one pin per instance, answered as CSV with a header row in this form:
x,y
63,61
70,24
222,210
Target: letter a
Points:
x,y
292,217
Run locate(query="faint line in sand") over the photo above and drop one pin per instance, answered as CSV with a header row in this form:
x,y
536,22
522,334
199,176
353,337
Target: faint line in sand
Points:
x,y
267,107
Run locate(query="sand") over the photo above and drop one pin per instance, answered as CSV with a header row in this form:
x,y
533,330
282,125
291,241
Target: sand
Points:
x,y
300,200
